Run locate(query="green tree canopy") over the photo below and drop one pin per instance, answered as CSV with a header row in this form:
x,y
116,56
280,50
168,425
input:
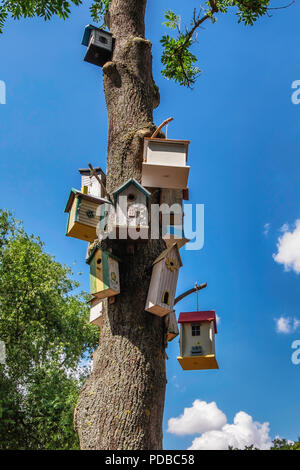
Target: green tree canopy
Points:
x,y
44,326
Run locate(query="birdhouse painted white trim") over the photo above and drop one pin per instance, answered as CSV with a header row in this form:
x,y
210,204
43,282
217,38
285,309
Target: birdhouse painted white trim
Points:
x,y
164,164
104,273
98,308
89,183
162,289
197,340
100,45
84,215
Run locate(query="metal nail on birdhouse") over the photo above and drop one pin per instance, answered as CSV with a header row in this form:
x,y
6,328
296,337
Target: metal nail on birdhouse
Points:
x,y
172,217
164,164
100,45
104,273
84,215
90,184
197,340
98,308
162,289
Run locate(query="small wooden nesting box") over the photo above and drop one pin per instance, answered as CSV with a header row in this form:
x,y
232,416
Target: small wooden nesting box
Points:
x,y
98,308
162,289
84,215
131,204
171,325
197,340
104,273
172,217
99,43
164,163
89,183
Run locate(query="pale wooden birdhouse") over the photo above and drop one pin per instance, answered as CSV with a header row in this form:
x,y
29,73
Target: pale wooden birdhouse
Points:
x,y
98,309
90,184
162,289
164,164
172,217
104,273
171,325
197,340
84,215
100,45
131,211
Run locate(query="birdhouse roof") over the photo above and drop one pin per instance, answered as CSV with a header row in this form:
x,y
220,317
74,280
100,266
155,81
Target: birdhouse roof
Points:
x,y
167,251
196,317
87,197
88,31
128,183
89,259
87,171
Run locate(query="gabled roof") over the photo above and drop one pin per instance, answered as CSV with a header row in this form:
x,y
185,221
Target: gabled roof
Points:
x,y
167,251
128,183
195,317
87,197
96,247
87,34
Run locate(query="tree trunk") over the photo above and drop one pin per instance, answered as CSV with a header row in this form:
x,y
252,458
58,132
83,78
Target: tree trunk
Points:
x,y
121,404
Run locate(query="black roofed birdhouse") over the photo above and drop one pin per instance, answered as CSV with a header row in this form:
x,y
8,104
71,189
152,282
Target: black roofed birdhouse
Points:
x,y
197,340
104,273
162,289
84,215
99,43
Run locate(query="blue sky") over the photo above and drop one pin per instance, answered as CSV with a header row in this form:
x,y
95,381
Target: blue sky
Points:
x,y
244,157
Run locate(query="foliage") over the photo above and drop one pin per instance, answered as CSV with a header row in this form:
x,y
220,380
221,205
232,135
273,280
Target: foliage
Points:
x,y
277,444
44,327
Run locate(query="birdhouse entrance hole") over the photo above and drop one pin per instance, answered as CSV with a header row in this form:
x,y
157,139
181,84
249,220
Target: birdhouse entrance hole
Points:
x,y
166,298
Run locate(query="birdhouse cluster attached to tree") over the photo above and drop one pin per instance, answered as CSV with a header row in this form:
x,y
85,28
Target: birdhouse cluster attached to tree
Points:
x,y
197,340
100,45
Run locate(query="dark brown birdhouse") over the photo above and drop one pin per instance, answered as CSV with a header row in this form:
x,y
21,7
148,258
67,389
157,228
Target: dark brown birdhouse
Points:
x,y
99,43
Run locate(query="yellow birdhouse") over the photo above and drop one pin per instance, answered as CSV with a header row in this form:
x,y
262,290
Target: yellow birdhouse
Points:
x,y
84,215
197,340
104,273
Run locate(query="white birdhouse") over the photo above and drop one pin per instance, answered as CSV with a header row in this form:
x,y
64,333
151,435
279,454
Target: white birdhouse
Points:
x,y
172,217
162,289
131,211
197,340
89,183
100,45
164,164
98,309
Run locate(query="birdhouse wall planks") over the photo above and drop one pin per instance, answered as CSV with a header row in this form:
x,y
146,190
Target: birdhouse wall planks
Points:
x,y
84,215
164,164
162,289
104,273
172,326
197,340
100,45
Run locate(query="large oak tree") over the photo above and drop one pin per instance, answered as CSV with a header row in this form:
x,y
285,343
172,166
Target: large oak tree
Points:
x,y
121,404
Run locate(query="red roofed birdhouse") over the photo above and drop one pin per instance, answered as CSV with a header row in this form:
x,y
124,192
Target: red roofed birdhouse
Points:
x,y
197,340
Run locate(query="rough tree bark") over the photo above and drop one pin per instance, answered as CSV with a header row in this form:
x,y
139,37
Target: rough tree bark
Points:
x,y
121,404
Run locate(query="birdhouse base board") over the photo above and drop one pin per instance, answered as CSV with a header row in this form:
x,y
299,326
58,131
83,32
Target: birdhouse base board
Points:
x,y
171,336
105,293
165,176
82,232
198,362
157,310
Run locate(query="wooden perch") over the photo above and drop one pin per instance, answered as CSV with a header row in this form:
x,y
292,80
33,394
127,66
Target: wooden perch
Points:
x,y
191,291
166,121
94,173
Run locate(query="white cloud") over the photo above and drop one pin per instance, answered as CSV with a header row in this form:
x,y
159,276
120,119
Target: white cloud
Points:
x,y
267,229
243,432
199,418
216,433
288,248
287,324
